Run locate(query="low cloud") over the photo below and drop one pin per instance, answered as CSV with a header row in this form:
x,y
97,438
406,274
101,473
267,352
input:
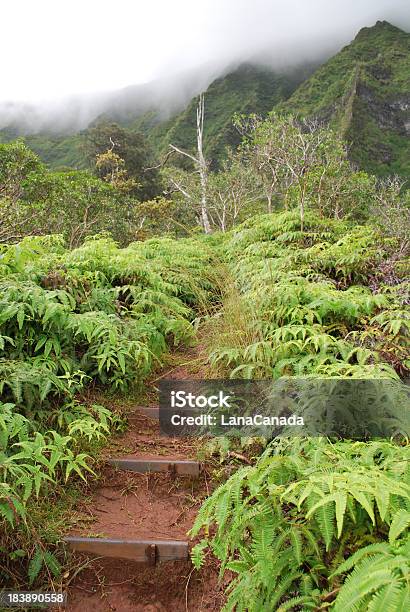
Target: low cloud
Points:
x,y
72,59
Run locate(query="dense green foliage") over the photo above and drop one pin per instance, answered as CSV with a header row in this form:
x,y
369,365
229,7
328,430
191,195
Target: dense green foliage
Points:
x,y
97,314
56,151
309,306
304,524
75,204
314,523
285,525
132,148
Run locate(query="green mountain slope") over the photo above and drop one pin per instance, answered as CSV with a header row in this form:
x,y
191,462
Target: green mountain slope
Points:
x,y
364,91
249,89
59,152
55,151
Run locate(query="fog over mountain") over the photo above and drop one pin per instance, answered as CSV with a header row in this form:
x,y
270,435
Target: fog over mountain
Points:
x,y
72,61
71,113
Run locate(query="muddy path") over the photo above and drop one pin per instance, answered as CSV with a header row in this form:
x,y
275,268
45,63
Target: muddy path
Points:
x,y
159,506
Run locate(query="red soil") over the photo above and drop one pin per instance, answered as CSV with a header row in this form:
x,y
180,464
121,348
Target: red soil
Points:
x,y
158,506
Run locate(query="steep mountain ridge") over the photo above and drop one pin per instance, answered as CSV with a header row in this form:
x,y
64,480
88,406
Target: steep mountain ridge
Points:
x,y
364,91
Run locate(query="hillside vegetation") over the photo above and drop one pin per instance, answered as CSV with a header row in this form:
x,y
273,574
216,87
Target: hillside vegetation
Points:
x,y
310,309
69,319
285,262
307,515
315,523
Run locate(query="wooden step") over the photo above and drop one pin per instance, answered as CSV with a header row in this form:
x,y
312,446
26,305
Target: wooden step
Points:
x,y
173,466
142,551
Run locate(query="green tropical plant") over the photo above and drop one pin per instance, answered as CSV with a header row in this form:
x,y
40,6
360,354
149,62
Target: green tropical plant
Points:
x,y
283,525
379,575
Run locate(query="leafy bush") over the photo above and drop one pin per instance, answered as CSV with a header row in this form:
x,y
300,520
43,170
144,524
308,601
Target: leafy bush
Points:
x,y
305,527
94,315
310,302
379,580
32,464
284,525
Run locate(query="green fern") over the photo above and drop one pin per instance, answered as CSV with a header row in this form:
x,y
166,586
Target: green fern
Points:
x,y
378,579
275,524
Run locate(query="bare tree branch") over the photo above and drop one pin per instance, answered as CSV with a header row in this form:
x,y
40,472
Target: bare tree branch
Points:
x,y
199,162
162,163
177,150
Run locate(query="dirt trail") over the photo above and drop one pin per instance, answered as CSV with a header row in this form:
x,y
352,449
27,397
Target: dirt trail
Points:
x,y
147,506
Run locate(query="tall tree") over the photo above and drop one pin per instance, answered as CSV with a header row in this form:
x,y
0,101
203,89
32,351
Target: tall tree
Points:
x,y
17,165
129,146
77,204
303,162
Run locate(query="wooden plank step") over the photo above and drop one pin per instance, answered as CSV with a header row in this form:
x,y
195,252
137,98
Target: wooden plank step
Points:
x,y
143,551
174,466
150,411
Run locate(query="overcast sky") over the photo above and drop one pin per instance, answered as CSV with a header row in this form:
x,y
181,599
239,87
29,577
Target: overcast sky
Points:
x,y
52,48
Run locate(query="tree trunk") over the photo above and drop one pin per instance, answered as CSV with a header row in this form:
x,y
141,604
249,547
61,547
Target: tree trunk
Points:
x,y
200,111
200,163
302,208
269,198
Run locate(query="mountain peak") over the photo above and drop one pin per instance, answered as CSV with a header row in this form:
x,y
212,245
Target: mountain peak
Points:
x,y
385,24
379,30
376,41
